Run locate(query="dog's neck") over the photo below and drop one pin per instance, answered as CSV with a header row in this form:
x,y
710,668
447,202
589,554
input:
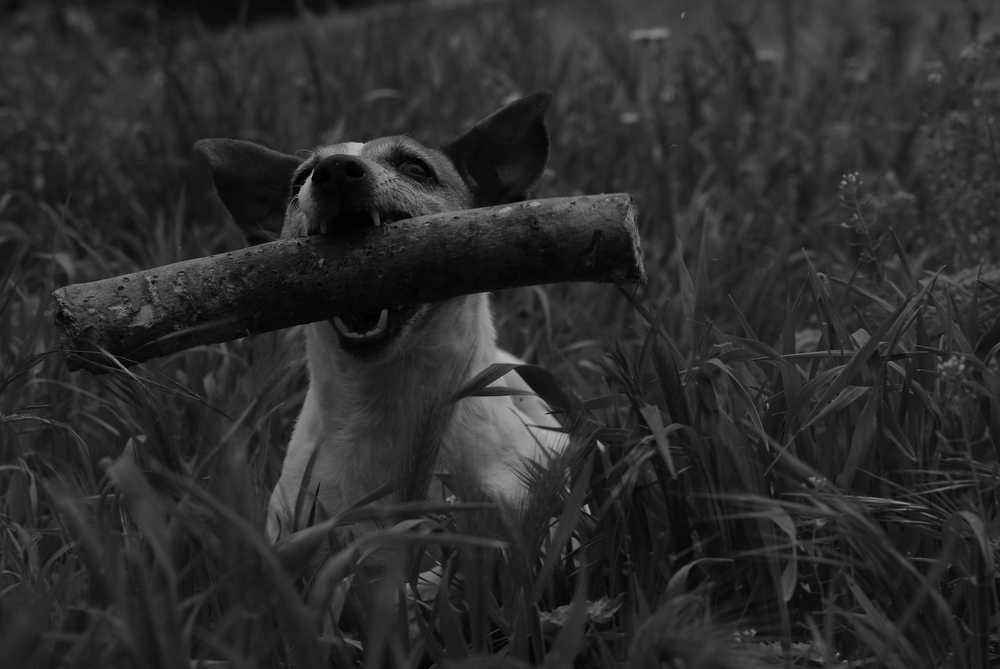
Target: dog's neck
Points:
x,y
380,402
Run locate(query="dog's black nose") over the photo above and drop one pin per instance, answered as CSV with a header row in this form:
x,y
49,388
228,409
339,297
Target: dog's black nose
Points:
x,y
338,168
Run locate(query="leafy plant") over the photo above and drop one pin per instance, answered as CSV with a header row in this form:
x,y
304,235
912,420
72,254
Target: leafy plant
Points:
x,y
783,449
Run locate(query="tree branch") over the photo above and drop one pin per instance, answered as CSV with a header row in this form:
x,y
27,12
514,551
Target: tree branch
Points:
x,y
271,286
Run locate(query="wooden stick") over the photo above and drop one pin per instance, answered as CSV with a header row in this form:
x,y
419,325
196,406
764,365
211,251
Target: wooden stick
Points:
x,y
276,285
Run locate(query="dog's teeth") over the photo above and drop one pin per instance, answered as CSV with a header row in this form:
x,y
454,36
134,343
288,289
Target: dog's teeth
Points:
x,y
342,326
383,320
375,218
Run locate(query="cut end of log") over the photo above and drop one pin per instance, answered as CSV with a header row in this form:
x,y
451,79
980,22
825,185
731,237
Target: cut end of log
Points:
x,y
637,273
80,344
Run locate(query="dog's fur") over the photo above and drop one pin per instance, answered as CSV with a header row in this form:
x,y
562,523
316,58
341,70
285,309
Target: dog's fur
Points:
x,y
366,396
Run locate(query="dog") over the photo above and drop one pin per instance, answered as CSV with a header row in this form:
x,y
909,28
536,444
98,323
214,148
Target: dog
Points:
x,y
370,373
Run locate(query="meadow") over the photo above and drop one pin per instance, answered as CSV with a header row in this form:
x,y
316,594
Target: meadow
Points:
x,y
785,447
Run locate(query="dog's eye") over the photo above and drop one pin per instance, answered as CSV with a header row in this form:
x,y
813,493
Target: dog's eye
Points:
x,y
416,169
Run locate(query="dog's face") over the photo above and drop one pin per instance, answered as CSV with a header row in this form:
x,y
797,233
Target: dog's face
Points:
x,y
384,180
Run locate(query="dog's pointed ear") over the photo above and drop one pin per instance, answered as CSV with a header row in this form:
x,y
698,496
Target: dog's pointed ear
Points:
x,y
503,156
253,183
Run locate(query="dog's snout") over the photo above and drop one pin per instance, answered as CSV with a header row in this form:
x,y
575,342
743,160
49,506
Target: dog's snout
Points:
x,y
339,168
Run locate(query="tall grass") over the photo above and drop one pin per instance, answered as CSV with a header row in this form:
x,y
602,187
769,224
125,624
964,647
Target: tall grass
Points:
x,y
784,448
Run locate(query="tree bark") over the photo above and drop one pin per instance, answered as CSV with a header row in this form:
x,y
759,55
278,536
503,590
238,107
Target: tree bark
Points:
x,y
270,286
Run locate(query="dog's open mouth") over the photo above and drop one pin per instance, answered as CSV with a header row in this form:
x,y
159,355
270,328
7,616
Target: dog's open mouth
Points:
x,y
368,332
371,325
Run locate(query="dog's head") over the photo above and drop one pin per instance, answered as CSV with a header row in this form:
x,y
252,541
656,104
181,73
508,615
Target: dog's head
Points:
x,y
272,195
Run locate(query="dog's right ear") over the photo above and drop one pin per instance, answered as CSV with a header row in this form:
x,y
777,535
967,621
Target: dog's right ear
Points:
x,y
502,156
253,183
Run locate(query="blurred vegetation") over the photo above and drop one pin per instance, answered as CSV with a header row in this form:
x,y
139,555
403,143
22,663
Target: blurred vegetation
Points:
x,y
798,415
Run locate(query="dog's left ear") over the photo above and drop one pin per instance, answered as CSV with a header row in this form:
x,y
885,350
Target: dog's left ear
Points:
x,y
503,156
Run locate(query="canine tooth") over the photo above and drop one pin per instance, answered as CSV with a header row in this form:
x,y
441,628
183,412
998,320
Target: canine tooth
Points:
x,y
342,326
383,319
375,218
